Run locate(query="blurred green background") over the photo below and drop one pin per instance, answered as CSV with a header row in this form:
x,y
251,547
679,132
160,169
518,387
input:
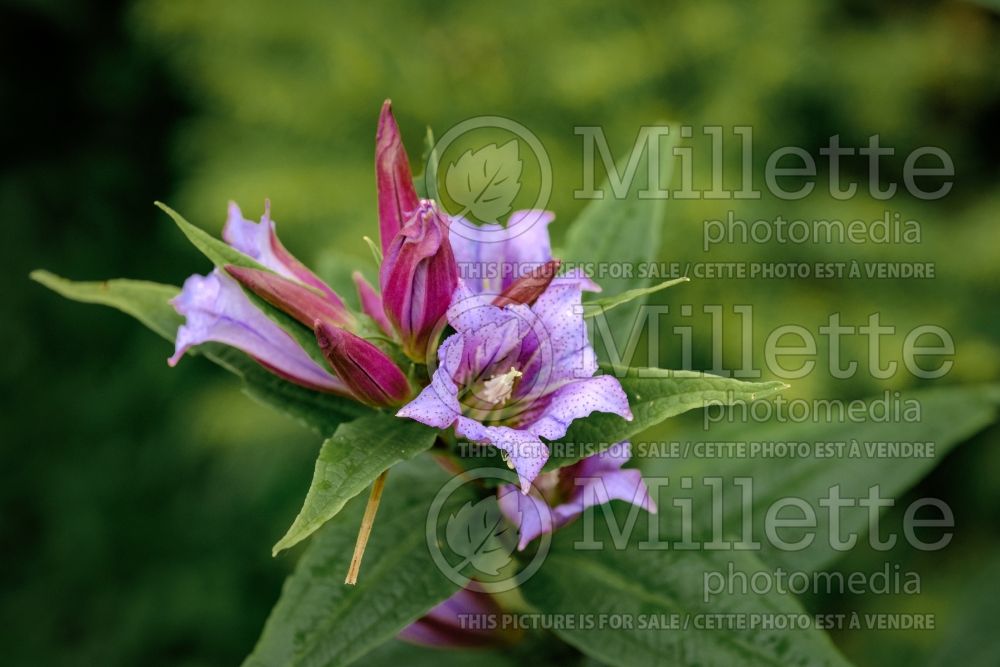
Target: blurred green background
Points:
x,y
138,504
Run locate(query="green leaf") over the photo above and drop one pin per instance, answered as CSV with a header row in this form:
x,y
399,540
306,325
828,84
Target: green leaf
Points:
x,y
395,653
948,417
145,301
647,587
149,303
599,306
654,395
485,182
220,253
476,533
623,231
319,620
349,462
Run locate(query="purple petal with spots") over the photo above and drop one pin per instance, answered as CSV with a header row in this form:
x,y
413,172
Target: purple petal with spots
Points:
x,y
530,513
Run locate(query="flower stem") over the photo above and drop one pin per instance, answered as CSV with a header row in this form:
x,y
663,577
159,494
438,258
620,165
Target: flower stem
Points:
x,y
366,528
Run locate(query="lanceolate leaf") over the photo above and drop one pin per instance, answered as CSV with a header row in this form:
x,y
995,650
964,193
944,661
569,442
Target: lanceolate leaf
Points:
x,y
599,306
870,456
623,233
654,395
654,603
349,462
145,301
149,303
476,534
322,622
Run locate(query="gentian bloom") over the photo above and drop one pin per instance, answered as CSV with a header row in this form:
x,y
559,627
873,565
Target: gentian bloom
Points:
x,y
259,241
418,273
492,257
218,310
514,374
558,497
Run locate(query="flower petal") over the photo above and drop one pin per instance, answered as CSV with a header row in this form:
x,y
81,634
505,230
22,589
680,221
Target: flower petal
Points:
x,y
528,512
447,626
259,241
218,310
437,405
491,257
576,400
599,479
526,454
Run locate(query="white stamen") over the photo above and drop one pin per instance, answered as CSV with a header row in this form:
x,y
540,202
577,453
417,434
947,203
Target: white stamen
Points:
x,y
499,387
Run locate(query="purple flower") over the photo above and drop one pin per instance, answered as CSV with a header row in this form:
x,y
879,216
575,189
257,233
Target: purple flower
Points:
x,y
461,621
418,273
492,257
372,376
259,241
512,375
558,497
218,310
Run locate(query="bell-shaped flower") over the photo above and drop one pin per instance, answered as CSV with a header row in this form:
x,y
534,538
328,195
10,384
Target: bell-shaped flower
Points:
x,y
493,257
556,498
515,374
217,310
259,241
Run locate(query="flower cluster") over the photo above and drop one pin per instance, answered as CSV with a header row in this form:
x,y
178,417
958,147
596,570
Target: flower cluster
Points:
x,y
517,369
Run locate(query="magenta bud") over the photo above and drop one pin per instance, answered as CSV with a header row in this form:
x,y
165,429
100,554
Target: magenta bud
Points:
x,y
418,278
370,374
397,198
528,288
301,302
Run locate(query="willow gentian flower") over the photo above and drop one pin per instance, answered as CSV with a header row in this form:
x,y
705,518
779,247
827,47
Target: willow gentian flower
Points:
x,y
418,273
492,257
558,497
259,241
514,374
468,619
217,310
